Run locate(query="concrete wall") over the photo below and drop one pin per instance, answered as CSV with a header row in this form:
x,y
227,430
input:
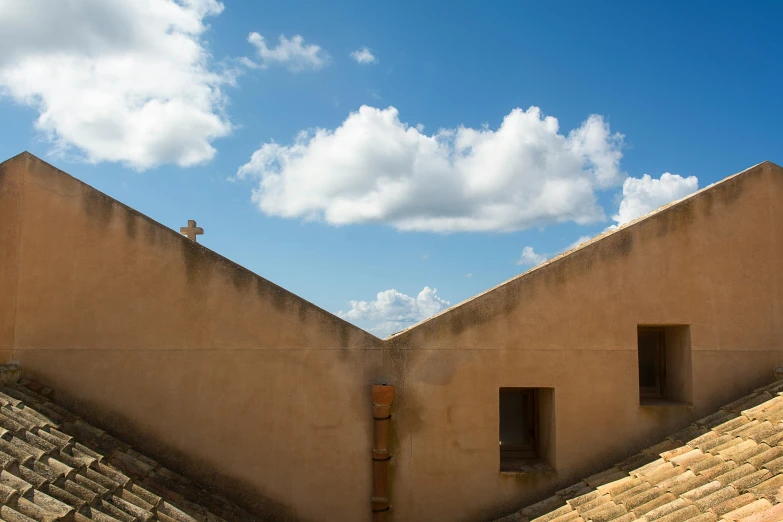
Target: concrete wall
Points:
x,y
226,377
10,208
713,261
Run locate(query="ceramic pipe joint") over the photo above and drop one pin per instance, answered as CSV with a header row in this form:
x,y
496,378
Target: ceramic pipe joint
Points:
x,y
382,397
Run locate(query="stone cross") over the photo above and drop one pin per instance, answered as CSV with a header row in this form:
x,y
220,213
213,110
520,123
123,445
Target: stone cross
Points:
x,y
191,230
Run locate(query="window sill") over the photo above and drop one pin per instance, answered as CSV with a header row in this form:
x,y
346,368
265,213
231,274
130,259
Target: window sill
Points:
x,y
524,466
664,403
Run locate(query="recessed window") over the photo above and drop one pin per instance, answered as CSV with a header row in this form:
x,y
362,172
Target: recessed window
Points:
x,y
518,422
526,428
664,354
652,363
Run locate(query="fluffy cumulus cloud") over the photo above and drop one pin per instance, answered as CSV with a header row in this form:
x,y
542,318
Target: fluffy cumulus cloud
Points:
x,y
293,54
114,80
374,168
645,194
393,311
579,241
364,56
529,257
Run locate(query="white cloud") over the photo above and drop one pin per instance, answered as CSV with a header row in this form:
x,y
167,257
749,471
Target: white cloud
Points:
x,y
393,311
364,56
374,168
294,54
530,258
645,194
469,275
578,242
121,81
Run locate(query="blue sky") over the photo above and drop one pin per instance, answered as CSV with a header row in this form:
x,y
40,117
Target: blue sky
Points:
x,y
160,104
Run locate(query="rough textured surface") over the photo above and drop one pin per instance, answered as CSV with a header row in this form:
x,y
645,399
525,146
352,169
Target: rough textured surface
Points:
x,y
10,216
55,466
727,466
226,377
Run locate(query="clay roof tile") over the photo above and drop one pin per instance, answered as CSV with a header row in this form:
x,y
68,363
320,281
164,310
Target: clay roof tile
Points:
x,y
727,466
55,466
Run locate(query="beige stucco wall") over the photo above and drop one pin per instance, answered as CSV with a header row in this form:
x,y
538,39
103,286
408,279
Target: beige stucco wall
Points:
x,y
713,261
10,205
223,375
197,360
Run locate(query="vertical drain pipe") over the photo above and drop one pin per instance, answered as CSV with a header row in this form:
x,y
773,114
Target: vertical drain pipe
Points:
x,y
382,397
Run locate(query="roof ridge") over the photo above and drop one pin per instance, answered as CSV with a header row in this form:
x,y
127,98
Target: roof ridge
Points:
x,y
608,232
24,153
603,235
189,243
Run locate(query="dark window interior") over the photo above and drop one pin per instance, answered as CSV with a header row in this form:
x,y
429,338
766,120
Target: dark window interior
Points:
x,y
652,363
518,423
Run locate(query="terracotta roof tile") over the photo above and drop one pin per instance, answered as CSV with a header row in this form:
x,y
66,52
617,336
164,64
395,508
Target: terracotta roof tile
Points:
x,y
716,442
640,498
768,489
738,449
776,438
676,452
720,469
735,474
604,478
775,466
760,431
745,511
55,466
568,517
716,419
654,503
683,482
619,486
681,515
726,445
632,493
731,504
635,461
754,479
552,515
672,506
772,412
727,466
605,512
546,506
771,514
582,500
748,402
647,468
662,447
686,457
571,491
688,433
704,517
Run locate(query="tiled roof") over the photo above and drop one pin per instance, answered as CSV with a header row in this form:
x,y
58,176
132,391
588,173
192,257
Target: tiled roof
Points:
x,y
56,466
725,467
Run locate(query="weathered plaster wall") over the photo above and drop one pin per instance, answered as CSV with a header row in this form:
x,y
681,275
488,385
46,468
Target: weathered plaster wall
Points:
x,y
10,206
205,365
712,262
235,381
